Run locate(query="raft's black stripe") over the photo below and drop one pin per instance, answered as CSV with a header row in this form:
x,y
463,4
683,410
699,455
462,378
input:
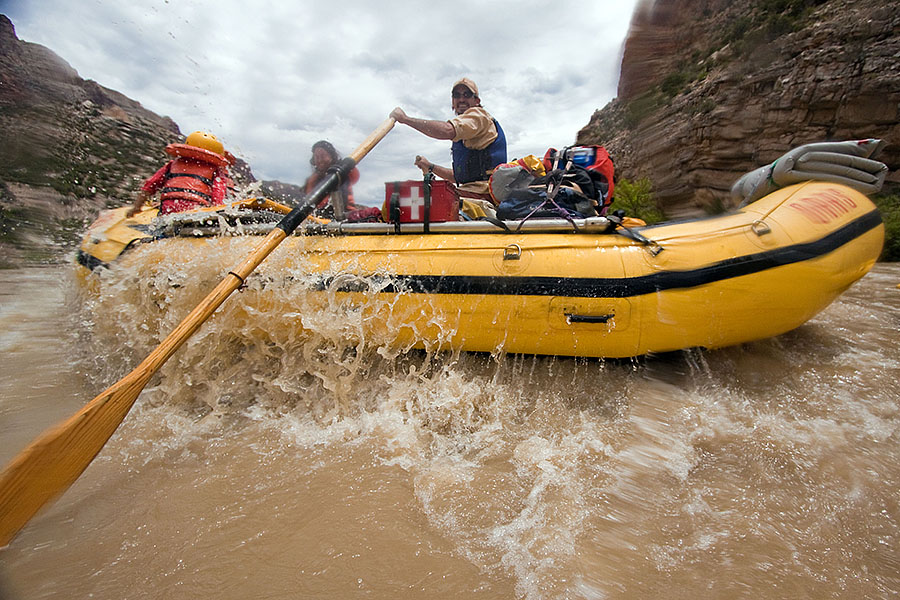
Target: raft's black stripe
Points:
x,y
91,262
583,287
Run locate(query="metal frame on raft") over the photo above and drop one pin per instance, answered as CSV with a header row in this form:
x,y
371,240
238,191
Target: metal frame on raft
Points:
x,y
229,222
215,224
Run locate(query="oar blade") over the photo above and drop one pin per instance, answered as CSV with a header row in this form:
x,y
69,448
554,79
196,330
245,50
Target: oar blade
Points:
x,y
51,463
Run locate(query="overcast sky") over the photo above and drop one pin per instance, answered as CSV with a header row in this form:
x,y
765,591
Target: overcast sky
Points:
x,y
271,78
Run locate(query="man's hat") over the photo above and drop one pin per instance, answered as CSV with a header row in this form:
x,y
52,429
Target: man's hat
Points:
x,y
468,83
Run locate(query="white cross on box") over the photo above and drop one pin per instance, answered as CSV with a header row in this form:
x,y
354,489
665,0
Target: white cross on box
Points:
x,y
416,203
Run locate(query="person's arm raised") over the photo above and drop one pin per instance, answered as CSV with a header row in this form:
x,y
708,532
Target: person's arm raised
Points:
x,y
439,130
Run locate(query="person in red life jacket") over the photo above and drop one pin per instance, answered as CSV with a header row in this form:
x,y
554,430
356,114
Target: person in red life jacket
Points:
x,y
479,144
196,177
324,155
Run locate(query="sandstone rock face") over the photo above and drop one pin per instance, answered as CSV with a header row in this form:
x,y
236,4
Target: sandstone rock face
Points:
x,y
68,147
48,112
710,90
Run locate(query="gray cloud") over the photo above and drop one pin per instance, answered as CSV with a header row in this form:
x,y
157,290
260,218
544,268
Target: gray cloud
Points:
x,y
271,78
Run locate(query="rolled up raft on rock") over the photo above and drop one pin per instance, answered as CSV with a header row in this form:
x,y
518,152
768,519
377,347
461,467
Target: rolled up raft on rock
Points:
x,y
848,163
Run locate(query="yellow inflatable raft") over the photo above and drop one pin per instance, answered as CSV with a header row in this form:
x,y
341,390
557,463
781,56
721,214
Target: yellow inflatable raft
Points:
x,y
554,287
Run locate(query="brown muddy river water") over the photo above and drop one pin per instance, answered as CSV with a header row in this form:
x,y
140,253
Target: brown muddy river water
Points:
x,y
262,463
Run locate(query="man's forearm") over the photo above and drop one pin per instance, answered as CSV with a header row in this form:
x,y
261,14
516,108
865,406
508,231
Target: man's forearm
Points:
x,y
444,173
439,130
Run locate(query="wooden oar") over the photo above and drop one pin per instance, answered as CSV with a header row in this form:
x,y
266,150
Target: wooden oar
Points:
x,y
50,464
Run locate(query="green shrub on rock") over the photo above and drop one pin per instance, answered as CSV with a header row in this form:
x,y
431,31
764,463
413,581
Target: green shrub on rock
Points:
x,y
636,199
890,212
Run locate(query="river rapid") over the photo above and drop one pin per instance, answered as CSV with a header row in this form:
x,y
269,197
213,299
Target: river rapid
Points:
x,y
262,462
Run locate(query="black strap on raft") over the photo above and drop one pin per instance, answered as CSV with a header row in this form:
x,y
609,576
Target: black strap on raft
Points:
x,y
495,221
426,219
337,195
394,206
329,183
616,225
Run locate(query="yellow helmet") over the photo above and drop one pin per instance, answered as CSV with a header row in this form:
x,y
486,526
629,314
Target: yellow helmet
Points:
x,y
207,141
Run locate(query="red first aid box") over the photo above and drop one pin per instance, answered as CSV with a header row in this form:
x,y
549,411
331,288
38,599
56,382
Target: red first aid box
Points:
x,y
409,199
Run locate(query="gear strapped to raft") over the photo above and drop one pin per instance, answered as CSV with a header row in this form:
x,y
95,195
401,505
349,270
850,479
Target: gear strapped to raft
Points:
x,y
849,163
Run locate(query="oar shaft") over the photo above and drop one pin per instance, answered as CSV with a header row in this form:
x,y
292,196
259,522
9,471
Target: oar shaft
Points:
x,y
239,274
52,463
371,141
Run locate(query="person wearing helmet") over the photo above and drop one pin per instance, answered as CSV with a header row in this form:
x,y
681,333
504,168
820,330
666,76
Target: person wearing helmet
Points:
x,y
479,144
197,176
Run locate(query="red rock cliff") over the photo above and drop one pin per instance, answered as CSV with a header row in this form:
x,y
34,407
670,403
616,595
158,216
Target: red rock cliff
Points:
x,y
711,89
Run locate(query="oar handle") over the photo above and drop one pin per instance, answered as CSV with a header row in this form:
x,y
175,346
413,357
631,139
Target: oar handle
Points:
x,y
373,139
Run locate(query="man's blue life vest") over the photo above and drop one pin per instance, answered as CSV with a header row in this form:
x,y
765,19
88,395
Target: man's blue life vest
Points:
x,y
475,165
